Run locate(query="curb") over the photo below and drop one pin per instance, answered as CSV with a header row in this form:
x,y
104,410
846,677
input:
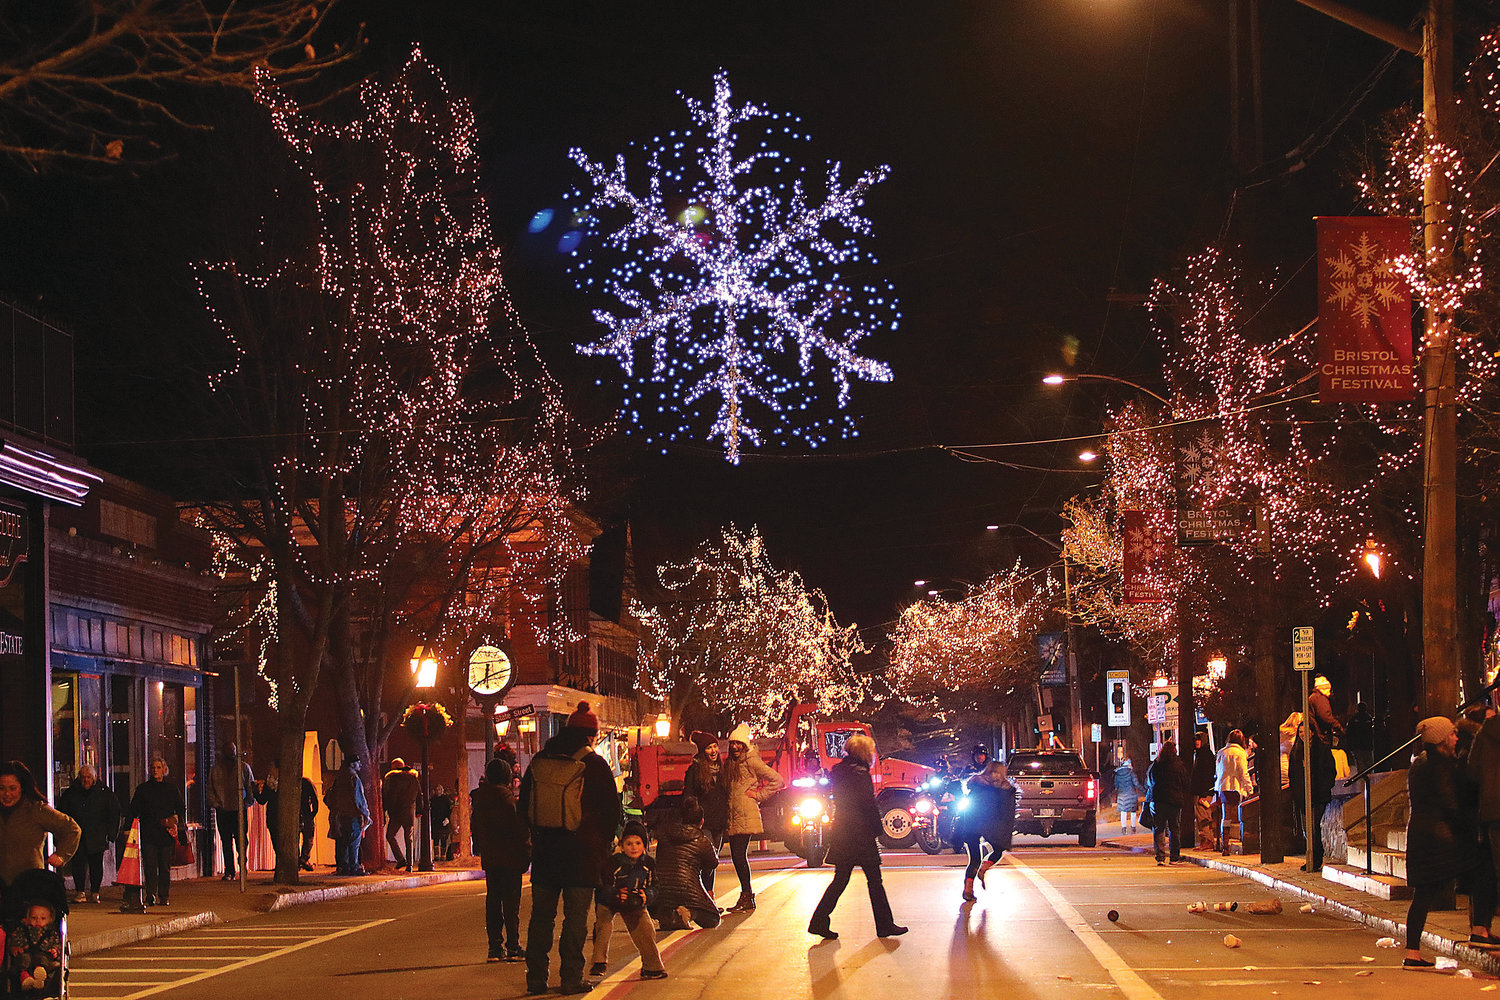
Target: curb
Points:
x,y
272,902
1485,961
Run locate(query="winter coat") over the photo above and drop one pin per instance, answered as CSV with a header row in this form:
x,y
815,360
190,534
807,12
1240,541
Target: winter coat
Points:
x,y
991,812
96,810
270,797
624,875
1203,772
563,859
501,837
1167,782
1325,725
399,791
685,858
1232,773
23,830
1127,788
1484,769
747,784
155,803
1441,835
347,809
856,817
705,782
222,793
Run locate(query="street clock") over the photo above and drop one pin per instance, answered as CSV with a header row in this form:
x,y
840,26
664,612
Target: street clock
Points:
x,y
490,671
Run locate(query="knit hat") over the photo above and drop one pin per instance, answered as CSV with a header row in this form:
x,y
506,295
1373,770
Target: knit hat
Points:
x,y
498,772
1435,729
741,734
703,740
583,718
635,828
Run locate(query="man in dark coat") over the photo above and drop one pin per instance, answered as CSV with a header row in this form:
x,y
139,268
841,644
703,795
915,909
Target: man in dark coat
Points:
x,y
96,810
268,794
157,803
685,861
1205,823
1167,788
503,843
568,865
399,791
231,790
852,839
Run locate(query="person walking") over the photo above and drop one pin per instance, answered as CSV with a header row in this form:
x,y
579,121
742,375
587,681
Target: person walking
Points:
x,y
96,810
157,803
989,817
1441,839
25,821
1128,791
399,791
440,815
231,790
503,842
852,840
572,806
1167,786
748,781
1232,783
685,861
628,891
705,781
348,816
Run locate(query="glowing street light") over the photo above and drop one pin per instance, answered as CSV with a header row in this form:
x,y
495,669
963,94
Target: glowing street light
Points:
x,y
1088,455
1372,556
663,726
1218,666
424,670
1055,379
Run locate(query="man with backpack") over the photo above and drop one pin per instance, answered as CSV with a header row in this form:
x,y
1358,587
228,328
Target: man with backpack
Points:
x,y
570,802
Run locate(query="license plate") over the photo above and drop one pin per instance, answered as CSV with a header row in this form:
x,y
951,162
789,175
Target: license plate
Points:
x,y
1048,813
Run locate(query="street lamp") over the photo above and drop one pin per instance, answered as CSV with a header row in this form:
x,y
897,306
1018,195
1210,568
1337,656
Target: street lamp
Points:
x,y
1372,557
424,678
663,726
1088,455
1055,379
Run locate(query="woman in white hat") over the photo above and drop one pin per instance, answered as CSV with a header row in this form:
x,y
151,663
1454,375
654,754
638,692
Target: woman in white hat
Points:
x,y
749,782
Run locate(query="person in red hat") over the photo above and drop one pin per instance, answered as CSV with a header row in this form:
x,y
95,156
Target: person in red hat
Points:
x,y
705,781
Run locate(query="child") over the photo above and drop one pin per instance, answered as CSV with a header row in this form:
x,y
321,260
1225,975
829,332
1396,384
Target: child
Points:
x,y
629,888
35,950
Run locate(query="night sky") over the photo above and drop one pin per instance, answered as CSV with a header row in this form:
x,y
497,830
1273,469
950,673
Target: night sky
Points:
x,y
1044,154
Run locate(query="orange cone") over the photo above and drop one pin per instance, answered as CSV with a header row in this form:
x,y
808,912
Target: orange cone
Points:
x,y
129,872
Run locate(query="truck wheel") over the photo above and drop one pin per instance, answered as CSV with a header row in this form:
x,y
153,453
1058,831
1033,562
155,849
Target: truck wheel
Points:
x,y
1089,835
896,831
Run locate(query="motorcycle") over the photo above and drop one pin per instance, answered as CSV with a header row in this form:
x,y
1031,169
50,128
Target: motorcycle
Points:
x,y
933,815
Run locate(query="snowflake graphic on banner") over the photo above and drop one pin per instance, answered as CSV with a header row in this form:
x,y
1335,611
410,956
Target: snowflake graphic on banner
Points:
x,y
1363,280
731,284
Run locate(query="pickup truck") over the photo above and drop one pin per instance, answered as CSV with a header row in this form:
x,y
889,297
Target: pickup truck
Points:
x,y
1055,793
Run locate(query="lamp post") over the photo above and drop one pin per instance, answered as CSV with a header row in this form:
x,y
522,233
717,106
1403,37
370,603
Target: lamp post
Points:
x,y
424,678
1060,379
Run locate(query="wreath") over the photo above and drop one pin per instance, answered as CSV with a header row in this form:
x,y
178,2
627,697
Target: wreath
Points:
x,y
425,723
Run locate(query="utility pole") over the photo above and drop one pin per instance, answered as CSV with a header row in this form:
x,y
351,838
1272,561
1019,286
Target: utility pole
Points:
x,y
1440,652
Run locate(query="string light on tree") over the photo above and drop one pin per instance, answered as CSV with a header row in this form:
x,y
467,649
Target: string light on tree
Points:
x,y
731,286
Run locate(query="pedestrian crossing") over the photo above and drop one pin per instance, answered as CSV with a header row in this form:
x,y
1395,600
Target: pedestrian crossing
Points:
x,y
137,971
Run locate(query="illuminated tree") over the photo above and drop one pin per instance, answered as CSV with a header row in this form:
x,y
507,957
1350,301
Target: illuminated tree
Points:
x,y
975,652
747,639
730,282
88,83
400,462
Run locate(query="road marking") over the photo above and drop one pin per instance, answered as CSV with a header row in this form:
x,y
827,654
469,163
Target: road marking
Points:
x,y
1132,985
241,964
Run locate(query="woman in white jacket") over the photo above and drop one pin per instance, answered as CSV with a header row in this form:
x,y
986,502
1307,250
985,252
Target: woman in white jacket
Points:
x,y
749,782
1232,783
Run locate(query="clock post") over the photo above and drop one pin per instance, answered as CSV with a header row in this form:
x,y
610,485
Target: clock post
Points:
x,y
491,676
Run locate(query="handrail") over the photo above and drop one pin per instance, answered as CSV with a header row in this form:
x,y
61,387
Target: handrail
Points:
x,y
1357,777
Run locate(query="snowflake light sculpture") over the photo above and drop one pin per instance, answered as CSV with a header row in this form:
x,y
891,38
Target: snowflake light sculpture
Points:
x,y
730,282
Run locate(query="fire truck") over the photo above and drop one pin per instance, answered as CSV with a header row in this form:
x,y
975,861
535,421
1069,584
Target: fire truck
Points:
x,y
799,814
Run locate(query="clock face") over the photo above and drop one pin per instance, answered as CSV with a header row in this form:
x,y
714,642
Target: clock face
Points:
x,y
489,671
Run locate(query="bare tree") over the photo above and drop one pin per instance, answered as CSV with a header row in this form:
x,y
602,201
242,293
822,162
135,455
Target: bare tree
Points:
x,y
90,81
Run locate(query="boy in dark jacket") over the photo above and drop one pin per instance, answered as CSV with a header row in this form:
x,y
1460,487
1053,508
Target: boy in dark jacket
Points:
x,y
629,889
503,843
685,863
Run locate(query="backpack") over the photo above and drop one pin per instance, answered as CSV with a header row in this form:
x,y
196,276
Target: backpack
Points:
x,y
556,801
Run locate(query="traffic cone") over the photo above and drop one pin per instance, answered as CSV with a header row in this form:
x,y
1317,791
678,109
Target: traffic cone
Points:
x,y
129,872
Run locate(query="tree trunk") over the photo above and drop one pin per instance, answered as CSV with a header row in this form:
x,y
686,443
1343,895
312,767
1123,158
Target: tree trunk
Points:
x,y
461,845
288,830
1268,736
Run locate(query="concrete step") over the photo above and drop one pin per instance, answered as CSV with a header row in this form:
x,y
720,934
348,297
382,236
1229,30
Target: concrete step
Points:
x,y
1380,886
1382,861
1395,838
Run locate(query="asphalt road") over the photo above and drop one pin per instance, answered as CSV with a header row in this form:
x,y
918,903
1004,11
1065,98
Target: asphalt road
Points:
x,y
1040,929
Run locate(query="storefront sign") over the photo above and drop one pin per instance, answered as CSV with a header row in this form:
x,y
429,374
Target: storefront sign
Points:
x,y
13,542
1364,311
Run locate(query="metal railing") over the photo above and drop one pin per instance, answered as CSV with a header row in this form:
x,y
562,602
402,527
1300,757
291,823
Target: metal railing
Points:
x,y
1365,777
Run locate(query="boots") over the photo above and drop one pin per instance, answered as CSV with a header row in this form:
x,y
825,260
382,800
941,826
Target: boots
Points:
x,y
984,869
969,890
744,904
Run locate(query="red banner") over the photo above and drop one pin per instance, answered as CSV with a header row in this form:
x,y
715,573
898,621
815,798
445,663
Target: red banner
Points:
x,y
1364,311
1150,538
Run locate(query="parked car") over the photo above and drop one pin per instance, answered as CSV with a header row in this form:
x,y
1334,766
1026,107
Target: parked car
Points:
x,y
1055,793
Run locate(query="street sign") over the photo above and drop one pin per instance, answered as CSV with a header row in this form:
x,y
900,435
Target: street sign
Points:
x,y
1096,731
1302,648
1117,697
1161,707
514,712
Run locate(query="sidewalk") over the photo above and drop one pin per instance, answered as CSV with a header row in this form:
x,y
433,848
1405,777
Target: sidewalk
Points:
x,y
202,901
1447,931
